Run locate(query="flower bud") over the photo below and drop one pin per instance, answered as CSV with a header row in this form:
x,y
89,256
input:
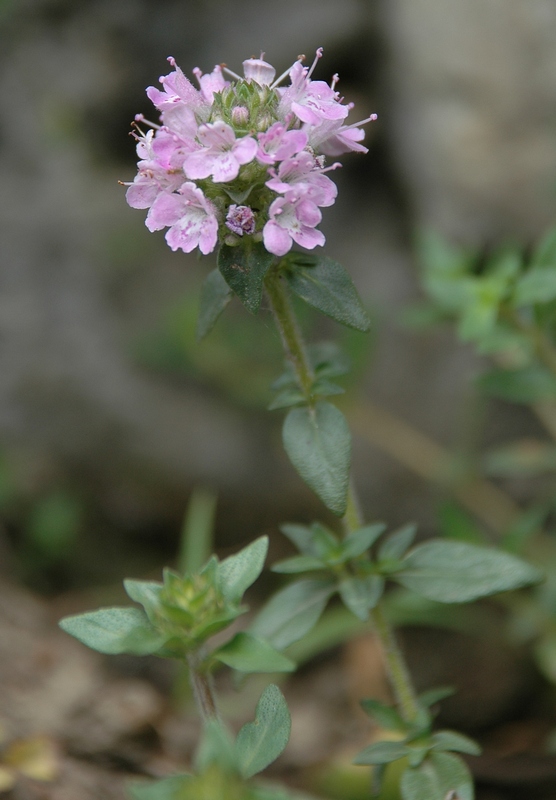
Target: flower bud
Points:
x,y
240,116
255,69
240,220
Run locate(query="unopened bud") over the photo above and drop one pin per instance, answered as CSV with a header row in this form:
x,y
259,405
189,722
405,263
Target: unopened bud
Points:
x,y
240,220
240,116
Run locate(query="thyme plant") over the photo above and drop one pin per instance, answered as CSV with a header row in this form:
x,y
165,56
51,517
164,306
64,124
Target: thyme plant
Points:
x,y
239,166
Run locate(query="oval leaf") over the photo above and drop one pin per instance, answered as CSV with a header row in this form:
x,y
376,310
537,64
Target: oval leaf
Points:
x,y
237,573
292,612
451,740
114,630
327,286
259,743
248,653
361,594
457,572
438,776
215,296
244,268
318,443
381,753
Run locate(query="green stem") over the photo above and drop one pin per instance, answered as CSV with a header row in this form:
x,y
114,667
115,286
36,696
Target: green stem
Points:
x,y
291,336
202,689
295,349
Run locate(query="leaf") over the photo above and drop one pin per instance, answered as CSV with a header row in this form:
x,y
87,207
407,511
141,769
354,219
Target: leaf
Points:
x,y
385,716
197,531
286,398
457,572
451,740
394,547
299,535
216,748
538,285
433,696
115,630
236,573
361,594
146,593
248,653
381,753
326,286
215,296
298,564
244,268
318,443
259,743
438,776
358,542
525,385
292,612
165,789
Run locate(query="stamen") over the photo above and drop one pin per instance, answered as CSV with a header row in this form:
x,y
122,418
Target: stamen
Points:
x,y
285,74
333,166
334,81
372,118
141,118
318,56
233,74
198,74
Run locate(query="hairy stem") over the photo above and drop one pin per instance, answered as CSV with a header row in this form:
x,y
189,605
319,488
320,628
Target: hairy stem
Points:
x,y
202,690
295,349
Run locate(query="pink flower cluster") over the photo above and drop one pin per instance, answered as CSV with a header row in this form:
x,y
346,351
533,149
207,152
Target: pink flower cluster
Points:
x,y
244,157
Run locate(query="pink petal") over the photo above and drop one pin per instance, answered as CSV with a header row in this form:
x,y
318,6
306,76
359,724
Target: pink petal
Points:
x,y
166,210
276,239
308,237
245,149
225,167
199,164
209,235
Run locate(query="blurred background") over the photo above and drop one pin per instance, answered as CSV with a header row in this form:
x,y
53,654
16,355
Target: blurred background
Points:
x,y
110,412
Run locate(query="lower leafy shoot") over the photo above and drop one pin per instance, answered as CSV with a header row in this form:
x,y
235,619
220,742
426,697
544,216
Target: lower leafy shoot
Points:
x,y
224,767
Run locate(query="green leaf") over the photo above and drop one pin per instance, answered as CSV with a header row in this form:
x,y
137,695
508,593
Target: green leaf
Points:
x,y
433,696
326,286
318,443
288,397
236,573
165,789
538,285
361,594
248,653
244,268
545,254
296,564
215,296
394,547
114,630
146,593
299,535
451,740
358,542
197,531
216,748
385,716
259,743
381,753
292,612
457,572
525,385
438,776
325,388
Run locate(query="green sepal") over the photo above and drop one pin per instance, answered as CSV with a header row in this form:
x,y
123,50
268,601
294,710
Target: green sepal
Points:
x,y
381,753
215,296
325,285
457,572
360,595
292,612
386,717
259,743
115,630
236,573
248,653
457,742
318,443
439,775
244,268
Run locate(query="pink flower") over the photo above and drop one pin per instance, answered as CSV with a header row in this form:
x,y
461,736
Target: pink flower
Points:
x,y
301,176
278,143
332,138
191,217
292,222
211,82
152,177
221,154
311,101
255,69
177,90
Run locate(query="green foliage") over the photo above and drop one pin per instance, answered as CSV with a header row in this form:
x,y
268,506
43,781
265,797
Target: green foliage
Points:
x,y
457,572
259,743
115,630
318,443
197,531
325,285
215,296
248,653
236,573
244,268
440,776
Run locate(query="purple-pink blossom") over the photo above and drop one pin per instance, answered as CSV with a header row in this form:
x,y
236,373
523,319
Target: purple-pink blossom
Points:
x,y
292,222
221,154
191,218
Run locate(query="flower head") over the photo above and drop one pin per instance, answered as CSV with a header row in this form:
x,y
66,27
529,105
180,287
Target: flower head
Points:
x,y
241,156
